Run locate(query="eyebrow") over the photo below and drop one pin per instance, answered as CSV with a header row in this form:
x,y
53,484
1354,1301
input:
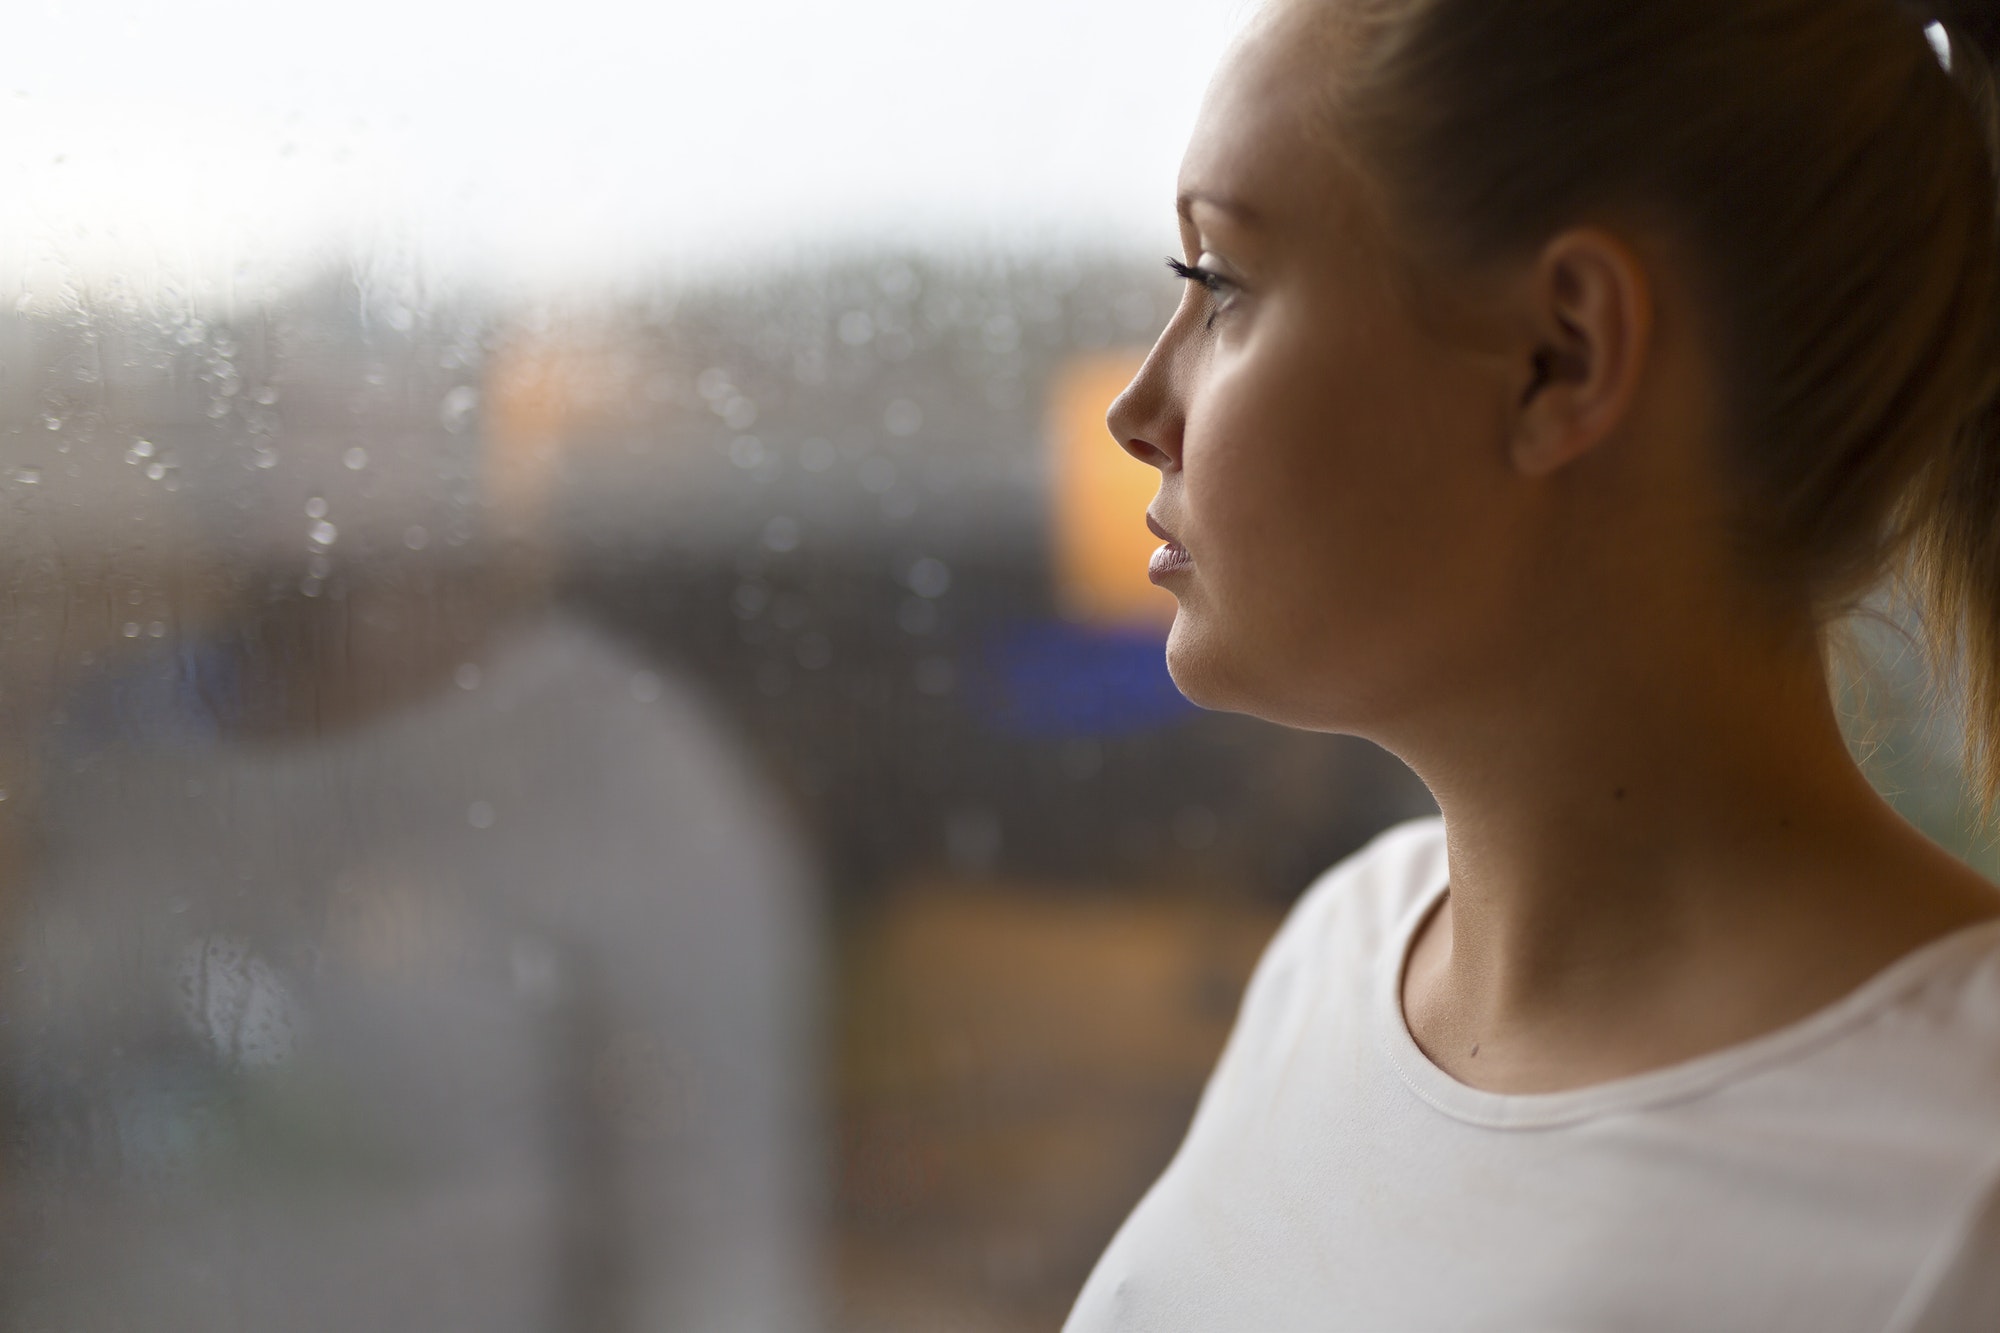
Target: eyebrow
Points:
x,y
1241,212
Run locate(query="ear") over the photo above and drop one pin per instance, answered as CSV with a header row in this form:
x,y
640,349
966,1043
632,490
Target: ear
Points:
x,y
1589,326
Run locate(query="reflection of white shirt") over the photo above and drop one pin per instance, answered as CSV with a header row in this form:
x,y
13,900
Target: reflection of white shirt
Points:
x,y
1842,1173
491,1014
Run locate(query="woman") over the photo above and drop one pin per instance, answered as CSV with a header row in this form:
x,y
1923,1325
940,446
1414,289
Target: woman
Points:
x,y
1551,380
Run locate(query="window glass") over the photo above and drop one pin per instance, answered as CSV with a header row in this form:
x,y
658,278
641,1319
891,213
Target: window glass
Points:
x,y
585,744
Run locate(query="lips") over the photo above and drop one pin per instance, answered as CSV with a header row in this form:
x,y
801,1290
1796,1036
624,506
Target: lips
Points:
x,y
1168,558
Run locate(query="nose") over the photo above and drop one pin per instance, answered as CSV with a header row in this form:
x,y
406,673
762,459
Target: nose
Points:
x,y
1142,418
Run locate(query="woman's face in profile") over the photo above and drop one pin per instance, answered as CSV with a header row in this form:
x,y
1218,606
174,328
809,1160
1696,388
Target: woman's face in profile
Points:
x,y
1337,474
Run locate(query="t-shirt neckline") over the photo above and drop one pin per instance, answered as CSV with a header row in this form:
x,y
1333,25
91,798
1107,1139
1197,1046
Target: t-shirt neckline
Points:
x,y
1688,1078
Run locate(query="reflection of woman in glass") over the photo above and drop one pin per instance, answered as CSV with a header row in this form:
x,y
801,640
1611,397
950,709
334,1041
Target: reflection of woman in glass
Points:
x,y
1550,381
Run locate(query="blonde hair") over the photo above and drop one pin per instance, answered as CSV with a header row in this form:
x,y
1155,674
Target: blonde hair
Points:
x,y
1837,189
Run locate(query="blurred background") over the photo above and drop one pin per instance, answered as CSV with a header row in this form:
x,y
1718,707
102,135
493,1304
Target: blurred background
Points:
x,y
583,740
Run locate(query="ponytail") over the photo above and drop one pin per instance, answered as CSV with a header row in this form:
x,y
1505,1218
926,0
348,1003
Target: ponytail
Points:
x,y
1952,518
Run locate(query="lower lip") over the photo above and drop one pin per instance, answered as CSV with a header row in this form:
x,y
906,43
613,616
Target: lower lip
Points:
x,y
1169,559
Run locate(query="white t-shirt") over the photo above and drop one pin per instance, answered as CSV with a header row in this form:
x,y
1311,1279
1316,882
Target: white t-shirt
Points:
x,y
1842,1173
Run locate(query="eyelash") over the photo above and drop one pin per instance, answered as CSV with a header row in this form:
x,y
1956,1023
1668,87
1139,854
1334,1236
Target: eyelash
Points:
x,y
1208,278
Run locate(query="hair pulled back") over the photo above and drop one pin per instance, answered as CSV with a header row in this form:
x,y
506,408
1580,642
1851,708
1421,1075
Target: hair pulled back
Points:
x,y
1836,188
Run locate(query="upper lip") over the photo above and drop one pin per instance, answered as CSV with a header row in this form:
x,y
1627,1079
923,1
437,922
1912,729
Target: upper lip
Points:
x,y
1153,524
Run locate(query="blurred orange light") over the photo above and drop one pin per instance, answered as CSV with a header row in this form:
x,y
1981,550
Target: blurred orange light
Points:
x,y
1099,500
541,394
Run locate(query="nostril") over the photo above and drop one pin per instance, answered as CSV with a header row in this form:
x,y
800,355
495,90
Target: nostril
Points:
x,y
1146,452
1143,419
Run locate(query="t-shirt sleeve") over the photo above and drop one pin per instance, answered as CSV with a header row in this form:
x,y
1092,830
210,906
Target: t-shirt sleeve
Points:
x,y
1960,1291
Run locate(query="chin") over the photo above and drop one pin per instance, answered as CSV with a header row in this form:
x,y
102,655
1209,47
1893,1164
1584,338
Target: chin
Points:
x,y
1196,659
1207,668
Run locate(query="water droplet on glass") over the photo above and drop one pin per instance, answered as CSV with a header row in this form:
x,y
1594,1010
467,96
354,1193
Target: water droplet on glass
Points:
x,y
738,413
902,418
53,423
156,470
713,384
877,474
814,651
972,838
535,969
749,600
324,533
28,476
1001,335
401,318
791,611
131,630
781,534
267,396
479,814
857,327
157,630
929,577
455,411
355,458
266,459
142,448
237,1002
467,676
416,538
316,507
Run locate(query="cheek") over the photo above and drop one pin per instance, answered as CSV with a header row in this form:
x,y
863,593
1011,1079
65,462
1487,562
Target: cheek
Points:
x,y
1345,509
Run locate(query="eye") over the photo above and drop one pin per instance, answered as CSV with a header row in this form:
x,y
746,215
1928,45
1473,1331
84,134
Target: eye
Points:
x,y
1221,290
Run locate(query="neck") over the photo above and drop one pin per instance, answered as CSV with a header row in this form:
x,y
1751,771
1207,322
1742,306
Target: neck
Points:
x,y
1649,863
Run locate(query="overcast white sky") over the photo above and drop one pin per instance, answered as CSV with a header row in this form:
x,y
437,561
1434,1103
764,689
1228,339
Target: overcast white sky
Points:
x,y
575,139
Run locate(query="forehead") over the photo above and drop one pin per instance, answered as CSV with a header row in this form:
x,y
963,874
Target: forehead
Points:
x,y
1264,143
